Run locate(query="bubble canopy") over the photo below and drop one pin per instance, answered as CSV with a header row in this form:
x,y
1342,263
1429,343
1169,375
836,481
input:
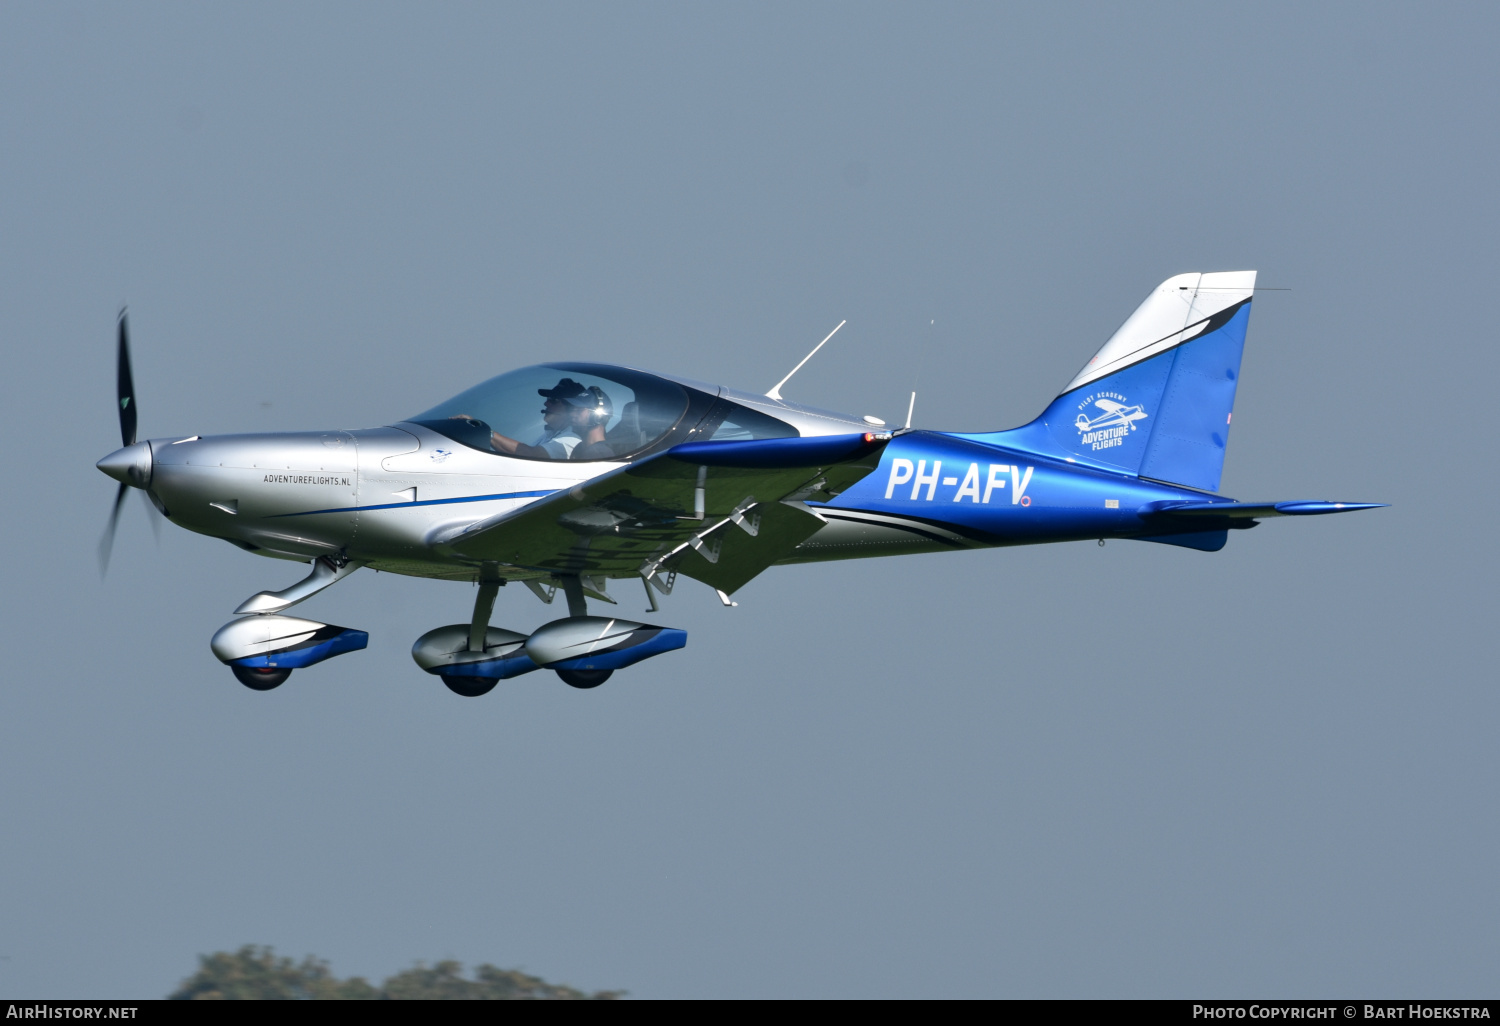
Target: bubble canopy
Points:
x,y
565,411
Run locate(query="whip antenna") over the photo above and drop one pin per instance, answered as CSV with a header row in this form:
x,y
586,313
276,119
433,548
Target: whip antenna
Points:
x,y
775,392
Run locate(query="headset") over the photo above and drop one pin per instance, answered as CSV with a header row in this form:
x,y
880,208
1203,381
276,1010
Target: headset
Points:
x,y
600,408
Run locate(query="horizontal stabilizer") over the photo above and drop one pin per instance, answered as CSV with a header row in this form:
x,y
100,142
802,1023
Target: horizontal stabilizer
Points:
x,y
1242,510
1203,541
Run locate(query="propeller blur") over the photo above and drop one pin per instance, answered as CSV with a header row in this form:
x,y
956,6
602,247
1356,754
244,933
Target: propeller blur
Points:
x,y
131,464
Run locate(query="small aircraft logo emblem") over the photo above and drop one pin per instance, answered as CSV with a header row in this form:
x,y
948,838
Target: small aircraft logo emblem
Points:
x,y
1115,419
1114,415
439,455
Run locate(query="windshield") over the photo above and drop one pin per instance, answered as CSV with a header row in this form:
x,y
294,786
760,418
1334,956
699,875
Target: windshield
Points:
x,y
562,411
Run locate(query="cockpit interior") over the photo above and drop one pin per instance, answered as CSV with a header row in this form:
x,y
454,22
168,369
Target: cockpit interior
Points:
x,y
591,412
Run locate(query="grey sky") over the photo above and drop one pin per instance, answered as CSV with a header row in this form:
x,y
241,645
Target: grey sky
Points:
x,y
1055,771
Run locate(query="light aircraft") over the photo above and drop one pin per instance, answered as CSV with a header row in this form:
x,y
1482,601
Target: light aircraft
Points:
x,y
565,477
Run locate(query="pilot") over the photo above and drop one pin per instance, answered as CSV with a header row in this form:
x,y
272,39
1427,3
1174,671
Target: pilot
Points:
x,y
573,420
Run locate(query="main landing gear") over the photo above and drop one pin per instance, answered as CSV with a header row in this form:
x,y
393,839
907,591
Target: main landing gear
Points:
x,y
584,678
469,687
260,678
584,651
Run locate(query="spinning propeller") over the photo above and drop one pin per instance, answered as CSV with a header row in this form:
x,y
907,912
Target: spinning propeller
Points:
x,y
130,464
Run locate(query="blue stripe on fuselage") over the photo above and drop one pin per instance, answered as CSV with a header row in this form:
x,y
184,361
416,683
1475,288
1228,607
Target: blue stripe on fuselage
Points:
x,y
424,502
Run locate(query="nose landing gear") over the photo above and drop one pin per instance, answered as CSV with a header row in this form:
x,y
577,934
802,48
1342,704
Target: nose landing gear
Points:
x,y
262,651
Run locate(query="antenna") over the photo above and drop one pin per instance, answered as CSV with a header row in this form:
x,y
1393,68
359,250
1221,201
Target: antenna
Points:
x,y
921,364
775,392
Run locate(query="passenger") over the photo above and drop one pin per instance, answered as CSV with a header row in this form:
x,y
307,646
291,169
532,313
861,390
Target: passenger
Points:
x,y
590,415
573,420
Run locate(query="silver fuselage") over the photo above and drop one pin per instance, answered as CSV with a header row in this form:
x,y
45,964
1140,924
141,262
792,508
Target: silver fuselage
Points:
x,y
382,496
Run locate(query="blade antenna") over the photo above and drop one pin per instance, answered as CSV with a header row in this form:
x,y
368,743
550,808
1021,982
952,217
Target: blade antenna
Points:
x,y
775,392
921,365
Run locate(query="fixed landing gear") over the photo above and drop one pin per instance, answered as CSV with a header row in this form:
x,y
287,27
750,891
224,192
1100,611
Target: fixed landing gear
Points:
x,y
260,678
584,651
584,678
469,687
471,658
263,650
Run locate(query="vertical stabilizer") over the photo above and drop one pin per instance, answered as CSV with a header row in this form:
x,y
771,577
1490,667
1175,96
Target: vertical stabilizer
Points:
x,y
1156,399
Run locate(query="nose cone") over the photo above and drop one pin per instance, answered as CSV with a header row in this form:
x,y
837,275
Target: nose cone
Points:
x,y
130,465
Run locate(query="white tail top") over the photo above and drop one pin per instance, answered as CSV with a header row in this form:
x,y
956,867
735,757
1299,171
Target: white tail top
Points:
x,y
1177,310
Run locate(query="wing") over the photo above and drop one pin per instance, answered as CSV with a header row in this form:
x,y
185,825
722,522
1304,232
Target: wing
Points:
x,y
720,512
1109,405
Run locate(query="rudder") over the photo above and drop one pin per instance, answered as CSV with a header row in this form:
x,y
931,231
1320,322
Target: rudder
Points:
x,y
1157,398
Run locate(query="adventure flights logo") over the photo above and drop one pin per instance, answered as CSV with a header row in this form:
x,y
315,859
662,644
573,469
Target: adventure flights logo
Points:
x,y
1113,419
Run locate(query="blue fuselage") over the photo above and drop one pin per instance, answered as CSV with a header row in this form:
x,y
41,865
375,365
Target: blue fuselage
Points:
x,y
956,491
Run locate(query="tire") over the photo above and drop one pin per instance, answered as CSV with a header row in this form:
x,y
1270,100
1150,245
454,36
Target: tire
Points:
x,y
258,678
470,687
584,678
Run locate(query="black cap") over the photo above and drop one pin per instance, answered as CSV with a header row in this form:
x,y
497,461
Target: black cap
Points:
x,y
568,390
